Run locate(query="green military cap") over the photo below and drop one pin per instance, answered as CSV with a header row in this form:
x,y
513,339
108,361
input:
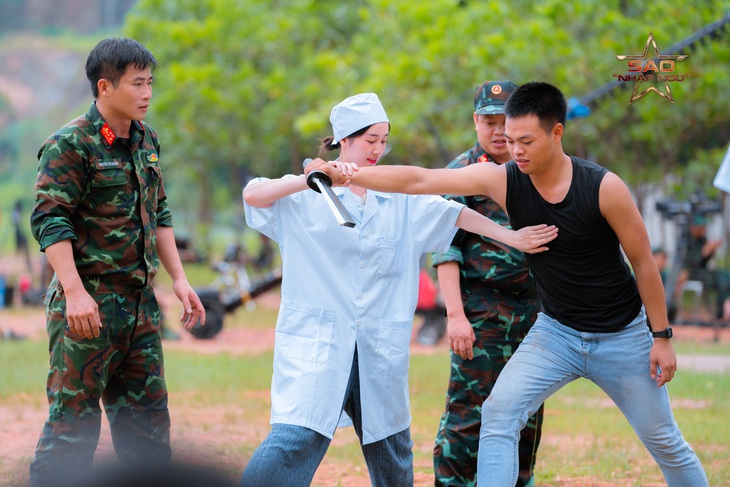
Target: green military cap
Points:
x,y
491,96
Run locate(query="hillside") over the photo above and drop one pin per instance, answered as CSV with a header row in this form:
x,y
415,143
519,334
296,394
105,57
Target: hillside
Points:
x,y
42,86
38,80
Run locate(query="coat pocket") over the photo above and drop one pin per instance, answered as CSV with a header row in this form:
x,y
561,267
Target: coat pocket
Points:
x,y
304,332
388,265
393,341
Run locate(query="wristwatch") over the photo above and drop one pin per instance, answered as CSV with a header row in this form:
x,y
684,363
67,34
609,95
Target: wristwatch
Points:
x,y
663,334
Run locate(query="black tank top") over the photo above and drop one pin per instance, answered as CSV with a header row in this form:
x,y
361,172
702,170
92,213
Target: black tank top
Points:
x,y
583,280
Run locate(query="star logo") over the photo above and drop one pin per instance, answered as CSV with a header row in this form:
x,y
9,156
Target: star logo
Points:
x,y
666,65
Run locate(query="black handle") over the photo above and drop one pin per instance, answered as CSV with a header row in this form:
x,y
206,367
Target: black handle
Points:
x,y
321,175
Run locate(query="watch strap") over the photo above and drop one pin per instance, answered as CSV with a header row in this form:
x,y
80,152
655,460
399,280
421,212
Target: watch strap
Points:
x,y
667,333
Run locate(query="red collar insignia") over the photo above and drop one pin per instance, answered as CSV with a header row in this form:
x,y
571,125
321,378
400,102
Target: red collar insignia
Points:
x,y
108,134
483,158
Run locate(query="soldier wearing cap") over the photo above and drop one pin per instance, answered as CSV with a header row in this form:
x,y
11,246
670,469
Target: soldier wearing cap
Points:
x,y
101,217
491,303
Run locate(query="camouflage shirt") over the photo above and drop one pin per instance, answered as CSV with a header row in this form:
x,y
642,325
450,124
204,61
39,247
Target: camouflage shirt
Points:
x,y
105,194
486,264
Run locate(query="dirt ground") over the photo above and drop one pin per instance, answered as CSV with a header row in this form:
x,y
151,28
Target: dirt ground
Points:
x,y
22,419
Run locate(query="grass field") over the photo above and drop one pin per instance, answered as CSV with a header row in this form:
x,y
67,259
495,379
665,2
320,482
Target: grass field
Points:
x,y
220,405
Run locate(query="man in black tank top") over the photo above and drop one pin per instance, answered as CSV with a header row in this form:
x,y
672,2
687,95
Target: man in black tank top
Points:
x,y
596,314
491,303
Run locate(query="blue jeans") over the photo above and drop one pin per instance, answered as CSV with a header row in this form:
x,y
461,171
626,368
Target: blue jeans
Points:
x,y
551,356
290,455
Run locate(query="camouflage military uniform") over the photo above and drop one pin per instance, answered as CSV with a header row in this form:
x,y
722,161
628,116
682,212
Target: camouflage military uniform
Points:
x,y
106,196
500,301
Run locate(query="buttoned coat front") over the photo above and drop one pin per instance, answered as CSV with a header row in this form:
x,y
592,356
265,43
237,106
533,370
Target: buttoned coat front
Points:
x,y
346,287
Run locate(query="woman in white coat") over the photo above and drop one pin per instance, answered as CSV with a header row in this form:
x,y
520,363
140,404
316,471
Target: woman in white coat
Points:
x,y
348,299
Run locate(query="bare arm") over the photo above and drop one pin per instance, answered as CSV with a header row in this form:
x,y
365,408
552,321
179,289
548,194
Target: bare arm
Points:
x,y
528,239
170,258
486,179
619,209
483,179
82,312
263,194
461,334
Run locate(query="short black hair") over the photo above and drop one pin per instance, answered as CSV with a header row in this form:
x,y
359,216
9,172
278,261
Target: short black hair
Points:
x,y
540,99
111,57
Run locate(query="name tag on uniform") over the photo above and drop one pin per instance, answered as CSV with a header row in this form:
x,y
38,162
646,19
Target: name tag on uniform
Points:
x,y
108,164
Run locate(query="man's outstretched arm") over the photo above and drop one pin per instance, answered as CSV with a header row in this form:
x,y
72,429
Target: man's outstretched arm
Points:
x,y
482,179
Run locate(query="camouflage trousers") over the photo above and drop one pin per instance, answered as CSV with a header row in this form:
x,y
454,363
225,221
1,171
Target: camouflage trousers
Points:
x,y
499,325
122,368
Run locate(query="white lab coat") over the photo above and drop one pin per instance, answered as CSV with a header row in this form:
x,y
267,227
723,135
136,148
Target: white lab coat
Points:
x,y
345,286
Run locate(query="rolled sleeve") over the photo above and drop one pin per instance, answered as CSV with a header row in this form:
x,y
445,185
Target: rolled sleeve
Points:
x,y
164,215
453,254
54,232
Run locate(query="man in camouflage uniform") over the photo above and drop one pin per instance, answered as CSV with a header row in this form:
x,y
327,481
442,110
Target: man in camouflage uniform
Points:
x,y
491,303
101,217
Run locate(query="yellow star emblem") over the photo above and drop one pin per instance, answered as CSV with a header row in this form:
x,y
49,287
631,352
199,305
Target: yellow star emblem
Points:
x,y
658,56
